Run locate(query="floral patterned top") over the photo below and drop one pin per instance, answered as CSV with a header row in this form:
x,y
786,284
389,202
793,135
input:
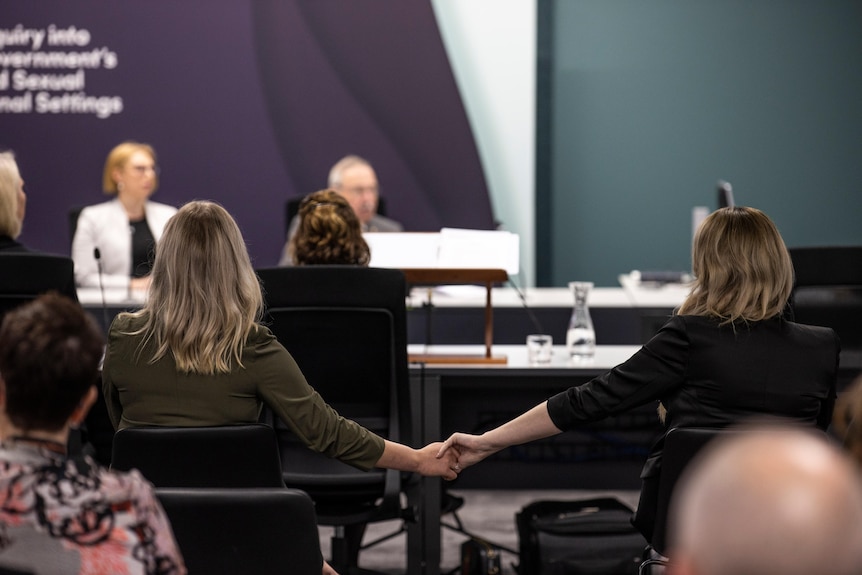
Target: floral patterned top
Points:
x,y
70,516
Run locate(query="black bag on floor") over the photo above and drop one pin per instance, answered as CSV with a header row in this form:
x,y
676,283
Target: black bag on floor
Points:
x,y
586,537
478,557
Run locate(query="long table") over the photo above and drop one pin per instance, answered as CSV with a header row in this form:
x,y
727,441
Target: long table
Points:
x,y
453,315
456,315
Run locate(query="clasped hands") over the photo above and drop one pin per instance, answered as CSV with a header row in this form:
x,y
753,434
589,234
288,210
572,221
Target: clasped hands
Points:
x,y
449,458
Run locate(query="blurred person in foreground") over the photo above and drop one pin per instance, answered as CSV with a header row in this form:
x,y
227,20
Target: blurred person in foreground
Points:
x,y
726,355
59,514
764,501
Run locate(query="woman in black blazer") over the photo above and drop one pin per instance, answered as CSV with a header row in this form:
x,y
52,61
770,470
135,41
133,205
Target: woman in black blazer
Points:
x,y
727,354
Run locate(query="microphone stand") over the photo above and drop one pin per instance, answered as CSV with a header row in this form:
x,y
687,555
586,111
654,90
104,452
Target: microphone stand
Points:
x,y
98,255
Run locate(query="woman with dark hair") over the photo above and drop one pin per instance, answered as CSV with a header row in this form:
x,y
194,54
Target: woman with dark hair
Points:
x,y
328,232
725,356
59,514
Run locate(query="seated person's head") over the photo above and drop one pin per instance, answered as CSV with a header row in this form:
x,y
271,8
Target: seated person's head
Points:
x,y
354,178
13,201
50,350
768,500
741,266
328,232
204,296
131,170
202,256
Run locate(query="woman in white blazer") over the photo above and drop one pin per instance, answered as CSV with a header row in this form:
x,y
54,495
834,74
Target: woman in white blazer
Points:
x,y
124,230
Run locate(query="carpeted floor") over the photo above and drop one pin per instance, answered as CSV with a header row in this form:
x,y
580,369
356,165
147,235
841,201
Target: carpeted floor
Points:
x,y
487,514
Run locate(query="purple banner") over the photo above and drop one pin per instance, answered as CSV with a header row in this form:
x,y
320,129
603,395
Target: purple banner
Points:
x,y
247,103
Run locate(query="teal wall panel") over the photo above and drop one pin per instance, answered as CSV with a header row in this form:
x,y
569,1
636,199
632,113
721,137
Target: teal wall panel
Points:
x,y
654,101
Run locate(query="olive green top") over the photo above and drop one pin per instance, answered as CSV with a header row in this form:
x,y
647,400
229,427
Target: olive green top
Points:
x,y
139,392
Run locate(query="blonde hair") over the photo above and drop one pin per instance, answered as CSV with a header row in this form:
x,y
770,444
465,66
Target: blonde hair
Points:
x,y
328,232
335,173
117,159
741,266
204,298
10,183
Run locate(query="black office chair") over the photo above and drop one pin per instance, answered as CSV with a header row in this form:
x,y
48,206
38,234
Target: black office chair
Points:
x,y
346,328
222,456
230,531
26,275
681,446
291,208
828,290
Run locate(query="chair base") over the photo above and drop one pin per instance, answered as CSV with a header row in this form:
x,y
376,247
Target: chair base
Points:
x,y
652,557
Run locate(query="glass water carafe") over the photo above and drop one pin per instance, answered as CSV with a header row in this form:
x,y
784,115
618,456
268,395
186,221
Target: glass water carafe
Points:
x,y
581,336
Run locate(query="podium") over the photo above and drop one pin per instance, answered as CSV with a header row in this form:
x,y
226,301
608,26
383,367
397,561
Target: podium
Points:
x,y
453,276
450,257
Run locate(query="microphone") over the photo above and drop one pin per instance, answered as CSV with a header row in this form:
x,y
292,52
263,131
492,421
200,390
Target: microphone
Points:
x,y
98,255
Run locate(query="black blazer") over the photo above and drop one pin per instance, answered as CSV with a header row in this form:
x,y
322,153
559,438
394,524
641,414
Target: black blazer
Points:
x,y
713,376
708,375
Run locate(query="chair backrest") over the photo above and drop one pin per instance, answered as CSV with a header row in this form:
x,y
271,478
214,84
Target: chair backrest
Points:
x,y
346,328
26,275
220,456
828,289
291,208
681,446
229,531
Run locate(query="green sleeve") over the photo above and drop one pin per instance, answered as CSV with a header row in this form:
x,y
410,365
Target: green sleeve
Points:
x,y
283,387
109,388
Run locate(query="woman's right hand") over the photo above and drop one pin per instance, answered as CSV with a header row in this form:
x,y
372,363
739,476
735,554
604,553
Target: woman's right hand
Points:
x,y
471,449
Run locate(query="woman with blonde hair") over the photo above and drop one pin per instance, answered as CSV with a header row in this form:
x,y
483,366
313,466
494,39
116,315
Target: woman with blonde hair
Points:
x,y
13,203
195,355
328,233
725,356
126,229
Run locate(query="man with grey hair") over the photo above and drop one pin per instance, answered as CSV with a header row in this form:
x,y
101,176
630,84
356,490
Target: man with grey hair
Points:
x,y
776,500
355,179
